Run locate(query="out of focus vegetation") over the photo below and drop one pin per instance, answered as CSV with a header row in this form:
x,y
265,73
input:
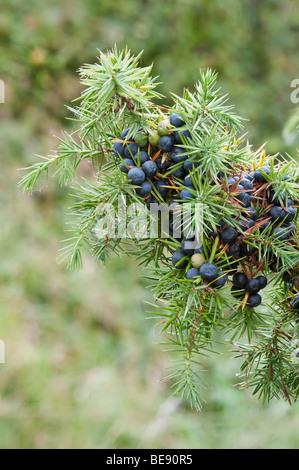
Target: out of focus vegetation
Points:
x,y
82,367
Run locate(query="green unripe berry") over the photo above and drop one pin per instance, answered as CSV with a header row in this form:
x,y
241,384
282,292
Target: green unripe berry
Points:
x,y
141,139
164,128
153,137
197,260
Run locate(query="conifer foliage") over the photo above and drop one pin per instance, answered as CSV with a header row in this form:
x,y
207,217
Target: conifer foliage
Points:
x,y
230,267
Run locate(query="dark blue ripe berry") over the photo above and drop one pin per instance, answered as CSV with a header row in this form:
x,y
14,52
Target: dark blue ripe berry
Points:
x,y
248,249
262,281
277,200
228,180
118,149
258,176
177,155
254,300
244,198
282,233
220,281
143,157
246,224
290,214
144,189
150,168
131,150
239,280
178,172
176,120
250,212
189,165
188,181
247,184
162,164
178,261
124,133
208,272
252,286
136,175
192,273
286,276
165,143
125,164
277,214
185,195
161,187
229,235
179,134
294,305
234,251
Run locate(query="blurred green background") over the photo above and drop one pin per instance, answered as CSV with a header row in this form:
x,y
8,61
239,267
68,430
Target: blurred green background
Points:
x,y
82,368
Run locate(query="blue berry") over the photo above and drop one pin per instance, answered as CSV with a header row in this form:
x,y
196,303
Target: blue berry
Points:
x,y
259,177
183,133
234,251
254,300
246,183
290,214
277,200
220,281
130,150
165,143
176,120
150,168
160,186
177,172
188,181
277,214
124,133
282,233
250,212
144,189
239,280
244,198
208,272
162,165
229,235
152,200
275,265
262,281
143,157
185,195
294,305
178,155
237,292
178,261
252,286
127,162
136,175
189,165
118,149
192,273
248,249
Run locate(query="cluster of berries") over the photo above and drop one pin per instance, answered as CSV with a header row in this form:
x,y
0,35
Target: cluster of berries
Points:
x,y
148,157
195,258
249,287
154,161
